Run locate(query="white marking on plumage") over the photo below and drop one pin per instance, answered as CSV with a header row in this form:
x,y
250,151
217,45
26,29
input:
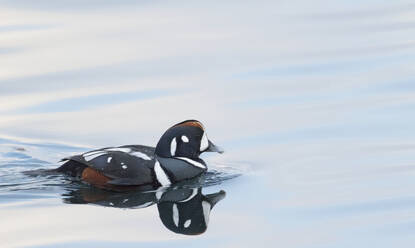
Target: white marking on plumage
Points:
x,y
93,153
175,215
161,175
125,200
159,194
90,156
173,146
206,211
187,223
194,192
144,205
112,204
185,139
192,162
119,149
124,166
204,143
140,155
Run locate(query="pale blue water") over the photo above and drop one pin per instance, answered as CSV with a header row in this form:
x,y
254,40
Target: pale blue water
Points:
x,y
312,101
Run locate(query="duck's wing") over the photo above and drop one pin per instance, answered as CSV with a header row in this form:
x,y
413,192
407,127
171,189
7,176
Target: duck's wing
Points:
x,y
125,165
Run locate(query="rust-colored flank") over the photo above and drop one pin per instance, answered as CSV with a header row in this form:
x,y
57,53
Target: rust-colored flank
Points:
x,y
193,124
94,177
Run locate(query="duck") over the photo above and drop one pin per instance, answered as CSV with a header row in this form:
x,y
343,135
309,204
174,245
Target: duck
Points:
x,y
181,210
175,158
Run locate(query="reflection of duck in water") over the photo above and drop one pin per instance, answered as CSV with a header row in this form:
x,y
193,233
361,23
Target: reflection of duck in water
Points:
x,y
184,211
174,159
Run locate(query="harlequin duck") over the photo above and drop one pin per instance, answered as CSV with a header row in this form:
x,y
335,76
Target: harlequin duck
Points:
x,y
188,216
183,210
174,159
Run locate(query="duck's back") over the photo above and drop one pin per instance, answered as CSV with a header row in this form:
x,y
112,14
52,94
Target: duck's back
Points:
x,y
124,165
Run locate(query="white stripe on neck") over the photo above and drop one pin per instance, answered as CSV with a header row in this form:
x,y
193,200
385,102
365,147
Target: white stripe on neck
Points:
x,y
192,162
161,175
194,192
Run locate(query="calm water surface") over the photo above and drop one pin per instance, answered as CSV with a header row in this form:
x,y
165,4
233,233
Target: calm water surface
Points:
x,y
313,102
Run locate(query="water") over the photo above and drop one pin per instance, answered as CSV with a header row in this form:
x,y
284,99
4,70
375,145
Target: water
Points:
x,y
312,101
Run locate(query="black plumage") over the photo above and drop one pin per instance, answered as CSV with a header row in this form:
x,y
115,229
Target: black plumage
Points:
x,y
174,159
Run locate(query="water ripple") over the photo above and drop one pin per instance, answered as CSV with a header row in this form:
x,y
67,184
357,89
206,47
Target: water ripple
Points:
x,y
28,177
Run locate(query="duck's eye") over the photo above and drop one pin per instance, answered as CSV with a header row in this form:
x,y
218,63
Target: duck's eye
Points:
x,y
173,146
185,139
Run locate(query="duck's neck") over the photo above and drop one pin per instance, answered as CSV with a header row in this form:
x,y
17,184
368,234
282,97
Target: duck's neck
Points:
x,y
179,169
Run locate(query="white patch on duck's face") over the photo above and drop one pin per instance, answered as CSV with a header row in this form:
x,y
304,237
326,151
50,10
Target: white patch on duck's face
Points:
x,y
161,175
140,155
185,139
192,162
187,223
175,215
173,146
109,160
204,143
206,211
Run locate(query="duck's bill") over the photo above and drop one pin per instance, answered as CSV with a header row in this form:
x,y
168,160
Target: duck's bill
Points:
x,y
215,198
214,148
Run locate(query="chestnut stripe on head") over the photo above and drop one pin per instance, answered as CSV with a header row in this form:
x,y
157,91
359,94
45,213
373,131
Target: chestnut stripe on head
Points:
x,y
191,124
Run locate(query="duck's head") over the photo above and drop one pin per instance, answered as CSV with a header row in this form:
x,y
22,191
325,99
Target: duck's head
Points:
x,y
187,139
189,216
